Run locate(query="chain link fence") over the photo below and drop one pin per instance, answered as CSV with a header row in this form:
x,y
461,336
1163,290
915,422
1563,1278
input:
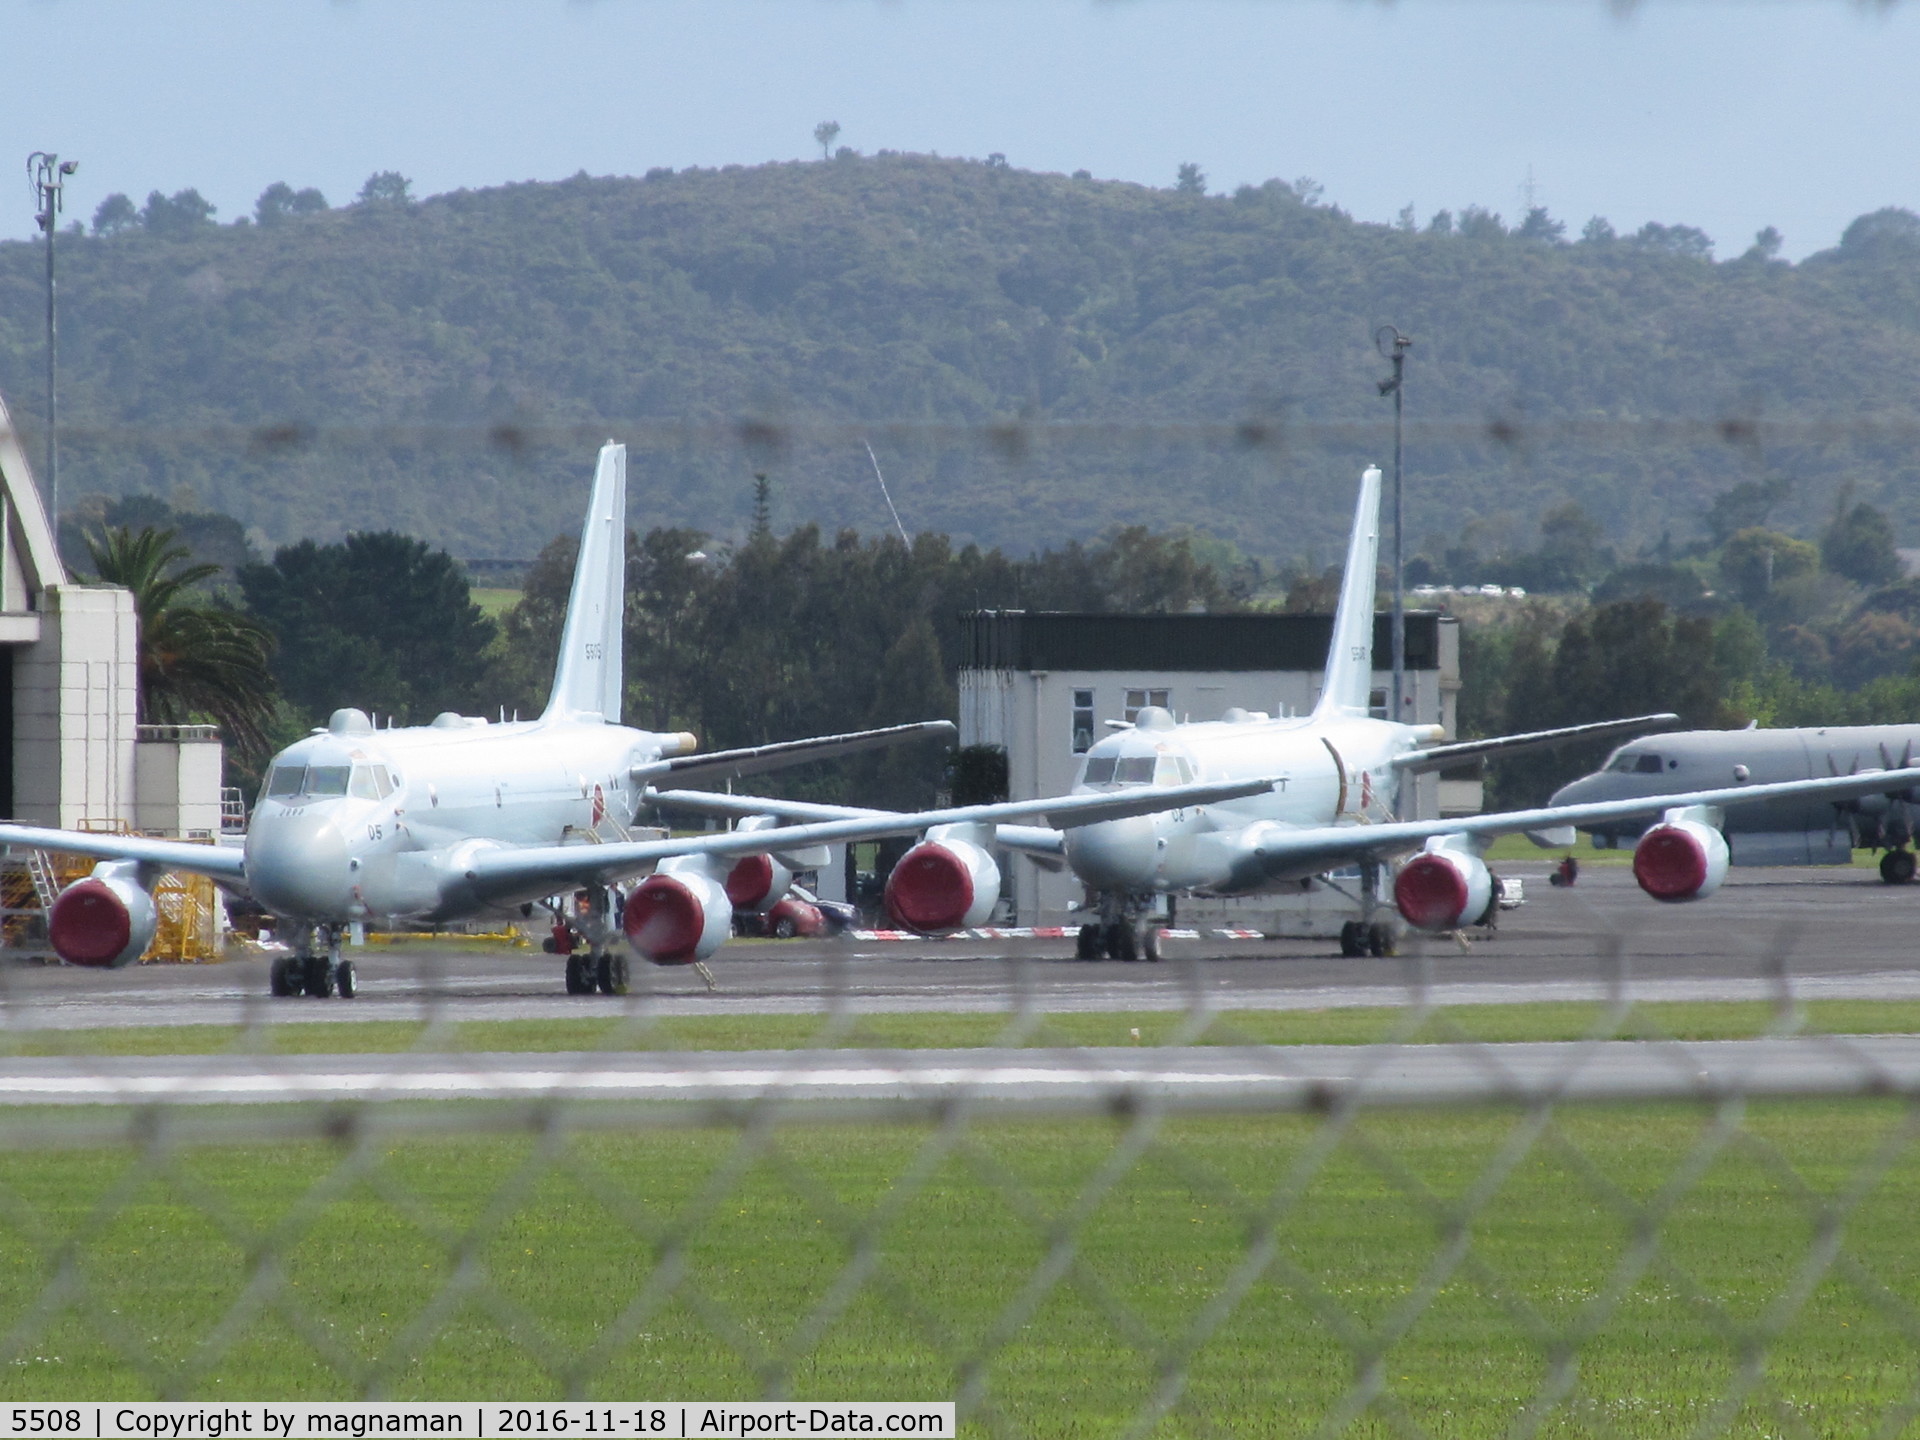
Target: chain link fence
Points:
x,y
1187,1218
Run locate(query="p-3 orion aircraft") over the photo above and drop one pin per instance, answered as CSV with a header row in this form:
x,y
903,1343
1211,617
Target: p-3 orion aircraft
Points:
x,y
1329,784
464,818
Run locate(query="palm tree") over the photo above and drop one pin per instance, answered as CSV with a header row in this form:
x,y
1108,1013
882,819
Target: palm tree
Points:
x,y
197,661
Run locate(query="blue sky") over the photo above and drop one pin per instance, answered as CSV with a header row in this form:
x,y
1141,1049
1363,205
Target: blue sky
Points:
x,y
1795,113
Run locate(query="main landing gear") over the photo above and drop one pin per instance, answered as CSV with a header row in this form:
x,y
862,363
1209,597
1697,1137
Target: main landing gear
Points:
x,y
1369,935
315,968
606,973
586,936
1375,938
1897,867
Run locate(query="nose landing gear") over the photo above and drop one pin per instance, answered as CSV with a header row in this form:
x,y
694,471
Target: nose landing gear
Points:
x,y
1125,931
316,971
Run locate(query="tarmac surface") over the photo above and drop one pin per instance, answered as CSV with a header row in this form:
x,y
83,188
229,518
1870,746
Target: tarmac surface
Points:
x,y
1264,1077
1826,933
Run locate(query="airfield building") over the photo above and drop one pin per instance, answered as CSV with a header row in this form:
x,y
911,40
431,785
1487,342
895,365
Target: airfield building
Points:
x,y
76,755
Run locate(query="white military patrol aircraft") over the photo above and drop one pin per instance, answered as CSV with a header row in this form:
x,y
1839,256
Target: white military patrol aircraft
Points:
x,y
464,817
1337,778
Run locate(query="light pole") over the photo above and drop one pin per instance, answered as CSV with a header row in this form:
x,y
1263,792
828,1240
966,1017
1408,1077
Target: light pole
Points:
x,y
1393,346
48,174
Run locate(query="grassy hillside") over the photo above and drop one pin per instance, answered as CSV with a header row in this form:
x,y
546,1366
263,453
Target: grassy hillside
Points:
x,y
1033,357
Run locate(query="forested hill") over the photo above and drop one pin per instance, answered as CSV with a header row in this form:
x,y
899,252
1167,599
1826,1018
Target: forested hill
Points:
x,y
1034,358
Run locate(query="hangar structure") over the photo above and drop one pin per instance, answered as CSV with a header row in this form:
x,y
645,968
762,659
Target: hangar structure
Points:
x,y
76,755
1043,685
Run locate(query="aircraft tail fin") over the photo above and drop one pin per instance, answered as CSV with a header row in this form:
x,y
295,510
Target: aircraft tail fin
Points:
x,y
587,679
1349,677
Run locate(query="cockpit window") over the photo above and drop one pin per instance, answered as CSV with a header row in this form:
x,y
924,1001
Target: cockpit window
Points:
x,y
362,786
286,779
1134,770
1635,762
1173,770
383,782
1099,770
328,779
1647,765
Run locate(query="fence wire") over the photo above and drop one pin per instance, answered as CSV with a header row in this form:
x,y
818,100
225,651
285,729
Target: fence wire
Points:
x,y
1189,1214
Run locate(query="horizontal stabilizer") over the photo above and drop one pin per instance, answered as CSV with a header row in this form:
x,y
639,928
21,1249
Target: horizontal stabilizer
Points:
x,y
1440,757
722,765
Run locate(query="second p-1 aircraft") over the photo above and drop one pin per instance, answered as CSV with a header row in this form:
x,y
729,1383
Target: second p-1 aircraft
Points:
x,y
1336,776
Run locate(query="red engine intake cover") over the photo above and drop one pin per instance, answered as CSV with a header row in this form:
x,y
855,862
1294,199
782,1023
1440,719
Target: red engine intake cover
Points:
x,y
1431,893
89,924
1669,864
930,889
750,881
664,920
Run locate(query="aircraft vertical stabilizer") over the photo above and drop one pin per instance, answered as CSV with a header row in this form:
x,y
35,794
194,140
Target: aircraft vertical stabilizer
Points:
x,y
587,679
1349,677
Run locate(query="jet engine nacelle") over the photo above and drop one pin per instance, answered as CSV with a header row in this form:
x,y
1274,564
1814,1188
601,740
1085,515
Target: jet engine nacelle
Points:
x,y
679,915
946,882
1443,889
1680,859
757,883
106,920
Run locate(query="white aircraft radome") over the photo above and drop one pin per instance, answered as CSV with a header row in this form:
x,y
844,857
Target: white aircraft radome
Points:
x,y
1336,777
465,817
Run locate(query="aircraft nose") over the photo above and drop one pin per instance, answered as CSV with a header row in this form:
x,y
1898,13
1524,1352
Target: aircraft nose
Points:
x,y
1576,792
297,867
1114,854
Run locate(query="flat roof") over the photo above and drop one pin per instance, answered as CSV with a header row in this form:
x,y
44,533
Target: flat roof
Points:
x,y
1063,640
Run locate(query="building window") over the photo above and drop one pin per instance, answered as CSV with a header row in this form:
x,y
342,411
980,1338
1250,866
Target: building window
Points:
x,y
1082,721
1138,700
1377,704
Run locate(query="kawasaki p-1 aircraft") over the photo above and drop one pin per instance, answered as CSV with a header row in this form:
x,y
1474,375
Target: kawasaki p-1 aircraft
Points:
x,y
464,817
1336,777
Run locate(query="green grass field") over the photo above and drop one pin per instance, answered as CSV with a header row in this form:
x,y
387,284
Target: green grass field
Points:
x,y
493,601
1067,1268
503,1267
1557,1020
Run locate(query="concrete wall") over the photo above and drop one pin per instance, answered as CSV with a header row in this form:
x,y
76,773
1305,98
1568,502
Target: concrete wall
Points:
x,y
75,702
176,772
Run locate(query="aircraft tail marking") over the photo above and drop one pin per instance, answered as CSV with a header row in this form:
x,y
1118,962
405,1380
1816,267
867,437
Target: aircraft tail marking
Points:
x,y
1349,679
587,679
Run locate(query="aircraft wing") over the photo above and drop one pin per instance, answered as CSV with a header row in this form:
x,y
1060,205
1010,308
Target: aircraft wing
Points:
x,y
1035,839
506,870
219,861
754,760
1336,844
1439,757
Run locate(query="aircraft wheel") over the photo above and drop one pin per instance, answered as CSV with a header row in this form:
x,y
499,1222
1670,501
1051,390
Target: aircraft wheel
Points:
x,y
1897,866
783,928
317,977
580,976
1353,940
613,974
1086,945
1382,943
1150,943
280,977
344,980
1120,941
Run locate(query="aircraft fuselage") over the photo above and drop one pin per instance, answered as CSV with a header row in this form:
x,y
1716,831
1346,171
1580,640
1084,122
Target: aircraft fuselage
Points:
x,y
376,825
1335,771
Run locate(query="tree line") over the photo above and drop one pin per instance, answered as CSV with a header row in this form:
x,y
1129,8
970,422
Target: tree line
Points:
x,y
1034,357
